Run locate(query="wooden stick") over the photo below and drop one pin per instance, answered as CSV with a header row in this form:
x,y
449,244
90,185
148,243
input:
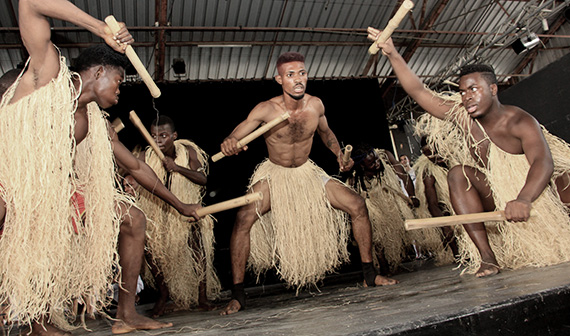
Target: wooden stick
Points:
x,y
138,123
134,58
406,6
230,204
495,216
117,125
251,136
399,193
346,155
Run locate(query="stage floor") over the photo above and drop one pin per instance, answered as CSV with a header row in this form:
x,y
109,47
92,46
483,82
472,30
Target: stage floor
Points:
x,y
425,302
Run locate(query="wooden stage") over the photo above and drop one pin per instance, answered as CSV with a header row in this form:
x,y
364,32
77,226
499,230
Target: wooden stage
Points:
x,y
429,300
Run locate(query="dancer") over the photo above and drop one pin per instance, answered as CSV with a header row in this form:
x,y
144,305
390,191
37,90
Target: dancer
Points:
x,y
506,163
305,234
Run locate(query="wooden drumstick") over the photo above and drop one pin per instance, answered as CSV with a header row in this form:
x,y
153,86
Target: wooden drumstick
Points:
x,y
346,155
138,123
134,58
494,216
230,204
117,125
251,136
406,6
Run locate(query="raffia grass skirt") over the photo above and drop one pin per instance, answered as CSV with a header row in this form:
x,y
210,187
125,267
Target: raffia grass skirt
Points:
x,y
302,236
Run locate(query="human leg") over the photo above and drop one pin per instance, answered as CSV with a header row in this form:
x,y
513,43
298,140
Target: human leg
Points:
x,y
159,308
343,198
131,247
240,244
477,198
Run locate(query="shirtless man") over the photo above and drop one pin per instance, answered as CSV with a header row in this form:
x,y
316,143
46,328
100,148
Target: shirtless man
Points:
x,y
99,83
289,145
510,128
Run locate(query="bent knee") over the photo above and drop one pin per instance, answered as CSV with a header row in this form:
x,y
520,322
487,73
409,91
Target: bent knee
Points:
x,y
245,218
134,222
457,176
357,207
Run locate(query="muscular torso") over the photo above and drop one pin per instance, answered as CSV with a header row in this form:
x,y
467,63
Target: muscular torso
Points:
x,y
289,143
499,131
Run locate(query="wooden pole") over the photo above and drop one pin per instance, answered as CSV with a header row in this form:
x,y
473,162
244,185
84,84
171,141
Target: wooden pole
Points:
x,y
414,224
117,125
346,155
139,125
230,204
253,135
406,6
134,58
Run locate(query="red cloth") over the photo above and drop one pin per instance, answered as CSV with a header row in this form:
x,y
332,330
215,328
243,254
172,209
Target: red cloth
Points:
x,y
78,201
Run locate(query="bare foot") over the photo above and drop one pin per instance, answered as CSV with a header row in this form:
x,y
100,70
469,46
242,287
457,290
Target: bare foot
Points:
x,y
487,269
206,305
383,281
170,307
46,329
159,308
232,308
137,322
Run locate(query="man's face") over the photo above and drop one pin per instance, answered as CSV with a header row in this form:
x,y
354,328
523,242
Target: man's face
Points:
x,y
405,161
371,163
293,78
107,81
476,94
164,137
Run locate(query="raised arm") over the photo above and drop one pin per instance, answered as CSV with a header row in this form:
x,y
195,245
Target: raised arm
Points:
x,y
257,116
36,32
539,157
147,178
409,80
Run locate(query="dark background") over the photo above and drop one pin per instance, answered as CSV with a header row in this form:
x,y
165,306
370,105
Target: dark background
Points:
x,y
545,95
207,112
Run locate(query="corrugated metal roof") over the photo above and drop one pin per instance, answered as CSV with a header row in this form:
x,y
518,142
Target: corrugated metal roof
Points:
x,y
241,39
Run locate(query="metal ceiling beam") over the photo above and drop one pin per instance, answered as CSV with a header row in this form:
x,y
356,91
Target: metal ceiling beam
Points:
x,y
160,14
502,36
214,44
532,54
275,39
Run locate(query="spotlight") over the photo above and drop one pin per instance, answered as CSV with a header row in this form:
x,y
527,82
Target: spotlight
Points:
x,y
179,66
525,43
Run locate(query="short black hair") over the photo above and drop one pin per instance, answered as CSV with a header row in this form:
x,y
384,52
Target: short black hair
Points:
x,y
487,71
164,120
99,54
7,79
290,56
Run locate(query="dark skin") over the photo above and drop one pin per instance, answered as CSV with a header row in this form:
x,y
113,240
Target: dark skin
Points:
x,y
289,145
100,84
510,128
164,136
371,167
433,200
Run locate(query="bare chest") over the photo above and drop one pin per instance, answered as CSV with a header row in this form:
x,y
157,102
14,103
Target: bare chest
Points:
x,y
298,128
